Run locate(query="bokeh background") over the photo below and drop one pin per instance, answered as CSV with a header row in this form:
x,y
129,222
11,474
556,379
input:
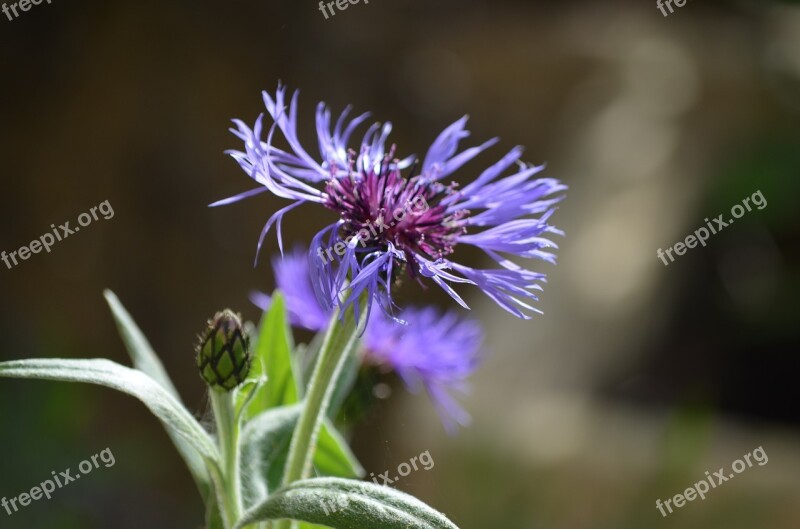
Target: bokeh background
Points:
x,y
636,380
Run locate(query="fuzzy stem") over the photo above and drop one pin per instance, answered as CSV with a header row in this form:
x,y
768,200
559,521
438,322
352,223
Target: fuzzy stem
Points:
x,y
339,341
224,406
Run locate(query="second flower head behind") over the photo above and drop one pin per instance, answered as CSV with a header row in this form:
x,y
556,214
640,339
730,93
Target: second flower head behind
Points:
x,y
430,350
398,216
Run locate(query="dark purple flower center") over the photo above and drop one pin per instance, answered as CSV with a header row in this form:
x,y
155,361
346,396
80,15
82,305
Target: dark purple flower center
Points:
x,y
381,206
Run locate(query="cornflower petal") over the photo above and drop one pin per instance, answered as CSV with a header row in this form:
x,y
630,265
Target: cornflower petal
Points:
x,y
504,212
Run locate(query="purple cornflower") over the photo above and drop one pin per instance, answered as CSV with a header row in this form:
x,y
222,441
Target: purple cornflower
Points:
x,y
371,191
434,350
431,350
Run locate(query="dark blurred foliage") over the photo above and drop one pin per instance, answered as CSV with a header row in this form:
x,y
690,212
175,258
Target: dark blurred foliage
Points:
x,y
732,338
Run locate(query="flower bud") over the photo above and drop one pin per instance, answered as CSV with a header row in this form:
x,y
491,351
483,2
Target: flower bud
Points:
x,y
223,354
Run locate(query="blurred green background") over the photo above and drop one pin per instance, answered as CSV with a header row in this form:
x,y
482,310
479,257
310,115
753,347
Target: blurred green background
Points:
x,y
636,380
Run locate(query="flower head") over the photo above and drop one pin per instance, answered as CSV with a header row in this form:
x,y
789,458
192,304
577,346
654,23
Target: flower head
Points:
x,y
429,349
223,351
397,216
436,351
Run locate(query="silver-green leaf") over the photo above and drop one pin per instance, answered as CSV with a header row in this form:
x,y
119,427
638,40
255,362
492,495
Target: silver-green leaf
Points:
x,y
265,445
346,504
173,415
139,349
147,361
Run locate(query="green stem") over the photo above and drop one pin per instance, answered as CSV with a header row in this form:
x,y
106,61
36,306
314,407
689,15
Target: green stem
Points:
x,y
224,406
340,340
